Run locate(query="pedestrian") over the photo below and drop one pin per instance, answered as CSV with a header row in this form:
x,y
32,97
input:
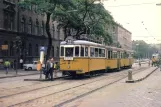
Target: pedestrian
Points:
x,y
6,65
38,66
21,63
14,64
55,69
50,69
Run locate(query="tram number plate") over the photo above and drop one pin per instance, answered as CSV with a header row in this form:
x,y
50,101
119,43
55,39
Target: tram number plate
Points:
x,y
68,58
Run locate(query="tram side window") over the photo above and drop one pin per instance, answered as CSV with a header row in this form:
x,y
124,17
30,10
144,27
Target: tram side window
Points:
x,y
82,51
86,51
121,55
69,52
127,55
96,52
77,51
118,55
92,52
113,55
100,52
109,54
62,51
103,52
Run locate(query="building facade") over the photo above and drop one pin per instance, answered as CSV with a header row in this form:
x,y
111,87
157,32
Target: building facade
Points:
x,y
25,23
122,37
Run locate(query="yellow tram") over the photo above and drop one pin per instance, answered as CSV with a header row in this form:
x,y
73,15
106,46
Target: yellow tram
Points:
x,y
84,57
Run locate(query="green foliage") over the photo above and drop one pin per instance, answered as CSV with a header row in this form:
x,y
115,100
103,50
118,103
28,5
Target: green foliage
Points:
x,y
85,17
142,49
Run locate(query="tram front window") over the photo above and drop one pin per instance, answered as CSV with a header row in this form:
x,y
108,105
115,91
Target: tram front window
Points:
x,y
69,52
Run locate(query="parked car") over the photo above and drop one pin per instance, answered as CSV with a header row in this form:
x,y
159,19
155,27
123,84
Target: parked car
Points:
x,y
31,66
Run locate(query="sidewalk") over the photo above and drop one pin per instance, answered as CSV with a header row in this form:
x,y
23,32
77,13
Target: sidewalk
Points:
x,y
20,72
142,75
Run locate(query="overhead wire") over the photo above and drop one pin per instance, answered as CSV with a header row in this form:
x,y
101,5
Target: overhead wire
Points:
x,y
133,4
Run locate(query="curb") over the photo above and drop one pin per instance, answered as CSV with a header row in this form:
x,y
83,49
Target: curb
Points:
x,y
134,81
44,79
18,75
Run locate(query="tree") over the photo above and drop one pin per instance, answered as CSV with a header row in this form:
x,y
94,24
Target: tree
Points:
x,y
48,7
142,49
85,18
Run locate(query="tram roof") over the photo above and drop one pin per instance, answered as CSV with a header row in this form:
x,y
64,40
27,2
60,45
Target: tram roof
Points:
x,y
84,42
81,42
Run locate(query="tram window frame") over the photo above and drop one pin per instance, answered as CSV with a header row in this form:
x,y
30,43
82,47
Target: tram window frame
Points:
x,y
127,55
113,55
118,55
92,49
106,53
103,53
62,53
72,52
75,51
99,52
109,54
82,52
96,53
121,55
86,51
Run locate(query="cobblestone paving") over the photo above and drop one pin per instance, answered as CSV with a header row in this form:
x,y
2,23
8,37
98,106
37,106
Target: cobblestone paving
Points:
x,y
146,93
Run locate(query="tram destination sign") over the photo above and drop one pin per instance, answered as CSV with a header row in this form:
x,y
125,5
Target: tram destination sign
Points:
x,y
69,40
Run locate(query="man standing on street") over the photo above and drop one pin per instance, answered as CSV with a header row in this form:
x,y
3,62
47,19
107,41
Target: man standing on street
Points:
x,y
50,68
21,63
6,65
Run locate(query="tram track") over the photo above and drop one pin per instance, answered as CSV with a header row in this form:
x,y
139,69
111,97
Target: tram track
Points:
x,y
61,83
112,76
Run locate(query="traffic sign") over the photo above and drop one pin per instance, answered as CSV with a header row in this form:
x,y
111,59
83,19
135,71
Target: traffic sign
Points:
x,y
4,47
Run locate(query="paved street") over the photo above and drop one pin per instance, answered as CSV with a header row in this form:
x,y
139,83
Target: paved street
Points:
x,y
146,93
71,92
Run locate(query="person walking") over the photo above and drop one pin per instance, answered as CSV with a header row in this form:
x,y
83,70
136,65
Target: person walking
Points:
x,y
50,69
6,65
15,64
55,69
21,63
38,67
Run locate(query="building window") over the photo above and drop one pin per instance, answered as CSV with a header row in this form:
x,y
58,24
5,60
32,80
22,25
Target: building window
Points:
x,y
37,50
57,51
53,30
30,26
43,28
30,50
23,24
52,51
8,21
11,49
37,27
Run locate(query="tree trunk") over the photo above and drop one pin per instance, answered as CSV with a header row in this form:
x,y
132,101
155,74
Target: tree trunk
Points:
x,y
49,35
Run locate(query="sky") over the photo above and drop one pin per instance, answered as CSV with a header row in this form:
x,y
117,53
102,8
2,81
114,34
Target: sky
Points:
x,y
141,17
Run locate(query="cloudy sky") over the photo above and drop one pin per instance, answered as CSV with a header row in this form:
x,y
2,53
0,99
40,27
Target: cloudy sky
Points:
x,y
141,17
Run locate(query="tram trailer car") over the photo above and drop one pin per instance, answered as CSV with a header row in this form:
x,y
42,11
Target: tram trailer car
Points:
x,y
80,57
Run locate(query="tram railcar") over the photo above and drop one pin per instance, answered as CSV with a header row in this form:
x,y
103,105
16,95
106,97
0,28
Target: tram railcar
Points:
x,y
79,57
